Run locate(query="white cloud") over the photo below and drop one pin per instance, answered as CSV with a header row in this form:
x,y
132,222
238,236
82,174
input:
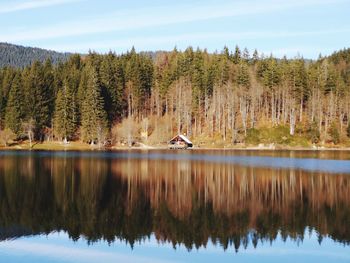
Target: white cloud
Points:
x,y
32,4
285,251
194,39
152,17
72,253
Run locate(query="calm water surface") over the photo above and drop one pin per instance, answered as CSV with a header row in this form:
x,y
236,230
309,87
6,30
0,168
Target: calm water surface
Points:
x,y
175,206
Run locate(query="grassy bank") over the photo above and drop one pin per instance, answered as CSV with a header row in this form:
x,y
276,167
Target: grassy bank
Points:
x,y
48,146
269,138
274,138
79,146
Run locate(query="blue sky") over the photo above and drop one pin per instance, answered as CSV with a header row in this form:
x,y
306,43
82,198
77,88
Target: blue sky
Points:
x,y
304,27
57,247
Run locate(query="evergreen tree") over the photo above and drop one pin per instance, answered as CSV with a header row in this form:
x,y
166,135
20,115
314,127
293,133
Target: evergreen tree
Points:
x,y
197,79
298,79
237,55
93,114
139,75
226,53
39,99
334,133
314,133
246,55
14,109
120,89
49,88
271,74
210,78
255,57
5,86
82,88
243,75
224,71
59,74
108,73
66,117
186,61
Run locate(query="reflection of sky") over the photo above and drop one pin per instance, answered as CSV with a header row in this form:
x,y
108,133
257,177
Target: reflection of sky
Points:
x,y
306,164
57,247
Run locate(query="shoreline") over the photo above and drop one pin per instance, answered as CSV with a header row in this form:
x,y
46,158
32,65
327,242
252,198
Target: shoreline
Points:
x,y
78,146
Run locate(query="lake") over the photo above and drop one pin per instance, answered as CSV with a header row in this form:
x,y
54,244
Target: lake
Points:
x,y
175,206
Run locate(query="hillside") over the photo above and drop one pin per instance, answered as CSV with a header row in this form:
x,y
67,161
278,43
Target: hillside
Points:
x,y
341,60
222,99
20,56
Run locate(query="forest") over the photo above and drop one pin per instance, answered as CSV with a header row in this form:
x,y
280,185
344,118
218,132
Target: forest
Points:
x,y
224,98
20,56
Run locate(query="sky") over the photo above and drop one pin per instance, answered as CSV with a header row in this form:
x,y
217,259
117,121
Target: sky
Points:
x,y
282,27
57,247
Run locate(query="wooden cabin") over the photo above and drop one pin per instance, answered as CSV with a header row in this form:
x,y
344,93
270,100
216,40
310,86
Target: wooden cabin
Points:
x,y
180,142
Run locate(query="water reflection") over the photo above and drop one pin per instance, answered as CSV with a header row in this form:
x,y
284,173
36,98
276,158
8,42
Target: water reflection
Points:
x,y
181,201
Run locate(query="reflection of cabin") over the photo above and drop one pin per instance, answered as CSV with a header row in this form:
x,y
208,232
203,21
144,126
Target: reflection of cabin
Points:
x,y
180,142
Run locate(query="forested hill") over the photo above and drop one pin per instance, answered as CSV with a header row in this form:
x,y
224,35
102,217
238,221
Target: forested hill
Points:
x,y
20,56
223,98
341,59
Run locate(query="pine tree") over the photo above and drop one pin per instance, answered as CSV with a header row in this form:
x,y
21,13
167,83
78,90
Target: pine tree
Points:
x,y
108,73
139,75
82,89
66,116
243,75
197,79
298,77
237,55
210,79
314,133
334,133
14,109
93,114
246,55
271,76
5,86
121,102
39,99
255,57
226,53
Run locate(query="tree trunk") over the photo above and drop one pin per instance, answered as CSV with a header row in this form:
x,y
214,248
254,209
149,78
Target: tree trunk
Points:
x,y
292,122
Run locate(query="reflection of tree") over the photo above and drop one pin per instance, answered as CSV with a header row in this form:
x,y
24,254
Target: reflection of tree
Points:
x,y
180,202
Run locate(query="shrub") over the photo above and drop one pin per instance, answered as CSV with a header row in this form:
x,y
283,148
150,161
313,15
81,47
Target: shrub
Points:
x,y
253,136
6,136
334,133
313,133
125,132
280,134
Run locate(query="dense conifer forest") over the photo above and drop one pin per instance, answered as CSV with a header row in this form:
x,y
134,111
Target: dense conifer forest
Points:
x,y
223,98
19,56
